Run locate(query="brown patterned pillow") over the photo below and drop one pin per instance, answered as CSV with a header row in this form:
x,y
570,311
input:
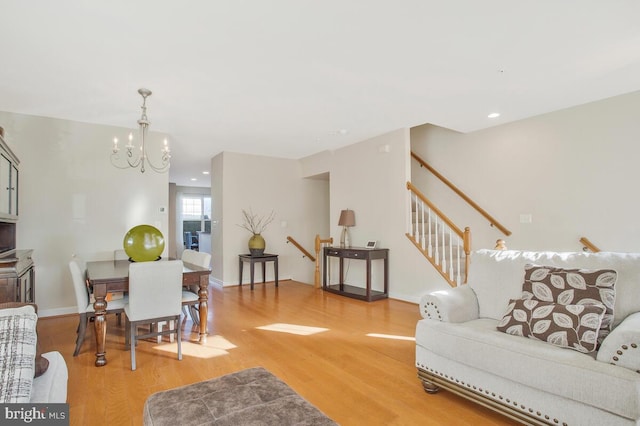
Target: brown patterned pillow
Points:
x,y
569,326
573,287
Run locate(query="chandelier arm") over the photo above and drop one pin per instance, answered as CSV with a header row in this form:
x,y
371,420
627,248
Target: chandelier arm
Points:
x,y
161,169
115,157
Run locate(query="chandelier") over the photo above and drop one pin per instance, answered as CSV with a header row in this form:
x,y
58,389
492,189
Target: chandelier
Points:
x,y
141,159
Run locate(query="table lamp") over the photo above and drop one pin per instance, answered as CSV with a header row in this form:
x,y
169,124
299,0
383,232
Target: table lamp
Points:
x,y
347,219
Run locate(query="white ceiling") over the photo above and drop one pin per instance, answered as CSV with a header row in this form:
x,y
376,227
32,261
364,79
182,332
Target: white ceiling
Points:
x,y
283,77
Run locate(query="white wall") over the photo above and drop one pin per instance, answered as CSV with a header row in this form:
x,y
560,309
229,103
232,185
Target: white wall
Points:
x,y
573,170
73,201
263,184
370,178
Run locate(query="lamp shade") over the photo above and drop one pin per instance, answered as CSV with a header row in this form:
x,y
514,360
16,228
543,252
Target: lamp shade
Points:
x,y
347,218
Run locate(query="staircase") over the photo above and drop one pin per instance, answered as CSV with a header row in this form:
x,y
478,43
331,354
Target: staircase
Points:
x,y
441,242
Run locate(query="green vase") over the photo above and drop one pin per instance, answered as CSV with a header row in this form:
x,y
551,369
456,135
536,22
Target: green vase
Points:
x,y
256,245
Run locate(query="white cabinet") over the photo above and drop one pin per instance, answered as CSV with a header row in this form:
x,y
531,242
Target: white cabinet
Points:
x,y
8,183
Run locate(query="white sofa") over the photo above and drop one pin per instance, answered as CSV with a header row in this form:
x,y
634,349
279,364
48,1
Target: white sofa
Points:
x,y
459,348
20,360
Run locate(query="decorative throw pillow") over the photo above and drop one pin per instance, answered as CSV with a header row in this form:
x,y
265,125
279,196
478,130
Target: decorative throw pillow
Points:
x,y
41,363
569,326
573,287
18,349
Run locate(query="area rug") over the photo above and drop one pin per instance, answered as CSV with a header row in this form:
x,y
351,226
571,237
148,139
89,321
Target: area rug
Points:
x,y
248,397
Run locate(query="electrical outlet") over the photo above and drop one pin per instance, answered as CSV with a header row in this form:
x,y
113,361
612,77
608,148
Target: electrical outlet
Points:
x,y
526,218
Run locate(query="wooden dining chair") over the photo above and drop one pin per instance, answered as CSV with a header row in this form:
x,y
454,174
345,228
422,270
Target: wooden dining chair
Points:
x,y
154,295
78,269
190,298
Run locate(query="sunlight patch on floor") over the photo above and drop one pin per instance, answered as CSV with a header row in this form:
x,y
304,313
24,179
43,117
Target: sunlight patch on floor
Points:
x,y
215,346
391,336
301,330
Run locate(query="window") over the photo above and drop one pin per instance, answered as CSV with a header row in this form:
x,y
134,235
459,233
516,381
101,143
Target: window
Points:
x,y
196,214
192,207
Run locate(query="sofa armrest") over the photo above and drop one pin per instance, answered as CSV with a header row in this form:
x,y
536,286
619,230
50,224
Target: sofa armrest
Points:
x,y
458,304
622,346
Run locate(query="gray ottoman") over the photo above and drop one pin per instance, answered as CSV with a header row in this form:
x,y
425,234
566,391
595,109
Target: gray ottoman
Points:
x,y
248,397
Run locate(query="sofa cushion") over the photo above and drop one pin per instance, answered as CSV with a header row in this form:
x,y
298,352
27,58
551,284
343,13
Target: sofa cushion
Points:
x,y
533,363
18,352
496,276
51,387
568,326
573,287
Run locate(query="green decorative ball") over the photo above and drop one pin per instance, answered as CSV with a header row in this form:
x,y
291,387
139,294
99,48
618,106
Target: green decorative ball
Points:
x,y
143,243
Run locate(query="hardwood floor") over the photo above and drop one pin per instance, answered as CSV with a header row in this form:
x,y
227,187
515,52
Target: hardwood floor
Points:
x,y
353,360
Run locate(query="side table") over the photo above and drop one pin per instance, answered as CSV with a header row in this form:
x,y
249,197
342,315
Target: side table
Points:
x,y
361,253
263,258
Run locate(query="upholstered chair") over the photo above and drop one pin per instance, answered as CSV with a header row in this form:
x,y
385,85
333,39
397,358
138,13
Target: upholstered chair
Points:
x,y
78,269
155,295
190,296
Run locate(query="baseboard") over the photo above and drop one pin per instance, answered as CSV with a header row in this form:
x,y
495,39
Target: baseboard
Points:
x,y
57,312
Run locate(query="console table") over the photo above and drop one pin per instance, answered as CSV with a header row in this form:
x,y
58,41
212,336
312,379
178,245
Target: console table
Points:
x,y
262,258
360,253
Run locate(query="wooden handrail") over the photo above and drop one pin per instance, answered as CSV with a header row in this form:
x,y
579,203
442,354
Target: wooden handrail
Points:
x,y
589,245
304,252
464,196
437,211
318,246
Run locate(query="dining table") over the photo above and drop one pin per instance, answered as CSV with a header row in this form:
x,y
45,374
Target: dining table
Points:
x,y
112,276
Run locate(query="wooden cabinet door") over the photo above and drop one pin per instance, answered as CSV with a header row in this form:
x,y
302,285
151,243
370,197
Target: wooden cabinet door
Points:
x,y
13,191
5,185
8,290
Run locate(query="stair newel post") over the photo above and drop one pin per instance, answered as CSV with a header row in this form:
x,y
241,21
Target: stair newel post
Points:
x,y
467,252
316,278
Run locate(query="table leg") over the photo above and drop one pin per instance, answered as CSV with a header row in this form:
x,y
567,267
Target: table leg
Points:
x,y
203,300
368,279
275,270
251,271
264,271
240,273
100,324
324,270
386,275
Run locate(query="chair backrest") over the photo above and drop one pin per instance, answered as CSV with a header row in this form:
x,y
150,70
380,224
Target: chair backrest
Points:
x,y
78,270
198,258
120,255
188,239
155,289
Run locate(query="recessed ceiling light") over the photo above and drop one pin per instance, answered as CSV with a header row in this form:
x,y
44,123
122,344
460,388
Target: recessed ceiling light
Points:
x,y
205,172
494,115
194,179
343,131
